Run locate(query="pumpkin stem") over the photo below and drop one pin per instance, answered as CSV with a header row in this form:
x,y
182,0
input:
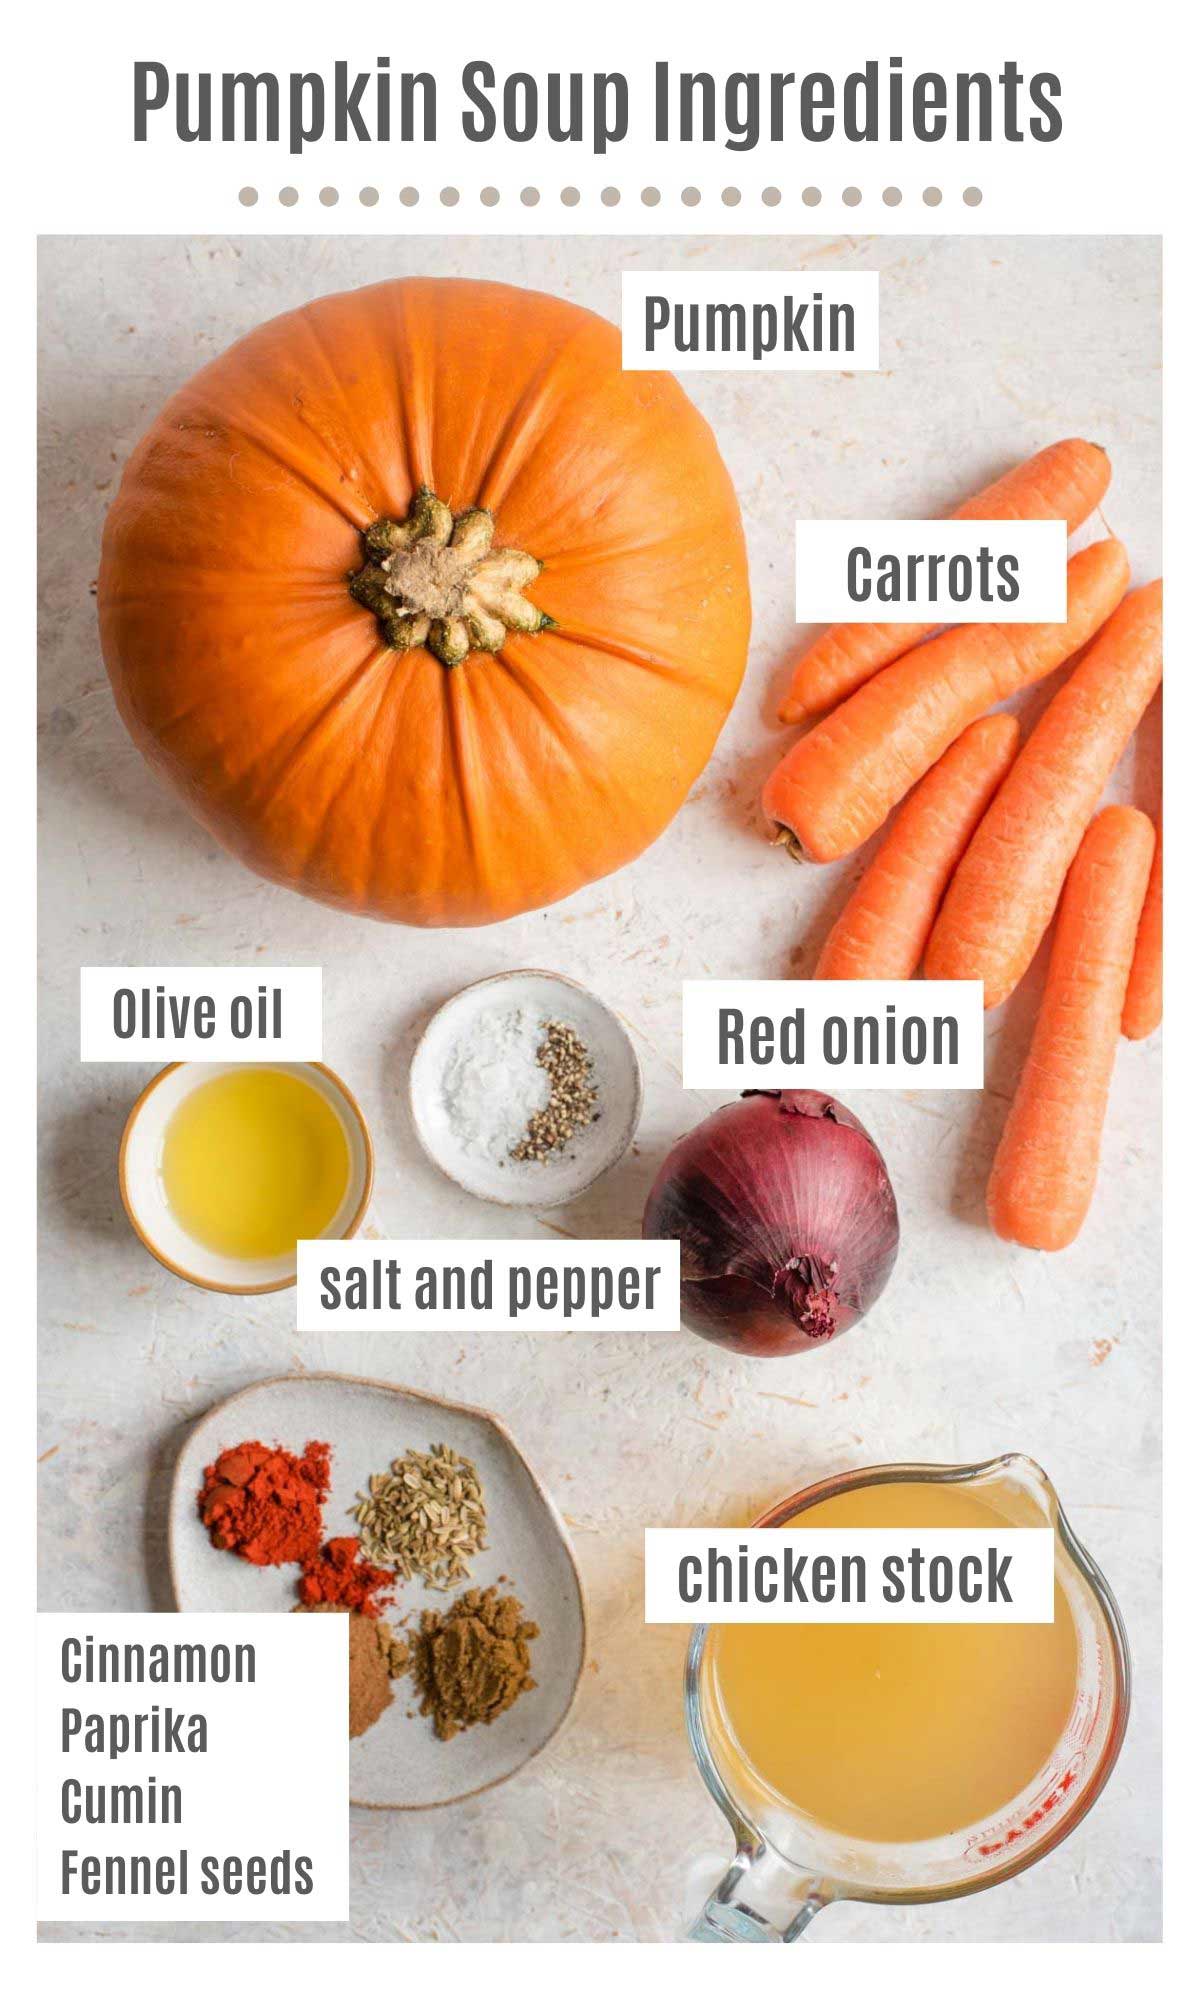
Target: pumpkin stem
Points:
x,y
434,579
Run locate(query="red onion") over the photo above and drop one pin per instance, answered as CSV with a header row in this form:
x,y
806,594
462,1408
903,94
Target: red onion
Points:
x,y
785,1218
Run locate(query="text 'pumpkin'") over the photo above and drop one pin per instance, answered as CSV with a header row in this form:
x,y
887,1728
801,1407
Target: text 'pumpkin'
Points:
x,y
426,608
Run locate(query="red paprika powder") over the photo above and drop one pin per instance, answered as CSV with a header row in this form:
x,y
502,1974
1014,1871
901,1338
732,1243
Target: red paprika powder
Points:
x,y
340,1574
264,1503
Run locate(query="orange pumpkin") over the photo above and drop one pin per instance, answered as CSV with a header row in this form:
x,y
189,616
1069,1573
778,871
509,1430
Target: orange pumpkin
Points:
x,y
426,607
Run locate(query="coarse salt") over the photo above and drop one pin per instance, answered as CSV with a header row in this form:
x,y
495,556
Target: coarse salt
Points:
x,y
492,1083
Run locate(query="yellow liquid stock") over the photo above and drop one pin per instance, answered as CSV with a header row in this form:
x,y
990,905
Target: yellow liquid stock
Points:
x,y
254,1160
897,1732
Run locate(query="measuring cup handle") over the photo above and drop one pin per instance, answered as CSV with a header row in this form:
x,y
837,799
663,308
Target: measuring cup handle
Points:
x,y
758,1902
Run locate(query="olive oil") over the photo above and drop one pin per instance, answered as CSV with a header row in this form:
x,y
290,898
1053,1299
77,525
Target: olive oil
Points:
x,y
254,1160
898,1732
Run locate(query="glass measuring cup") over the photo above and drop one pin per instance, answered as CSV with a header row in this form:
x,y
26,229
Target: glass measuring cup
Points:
x,y
788,1867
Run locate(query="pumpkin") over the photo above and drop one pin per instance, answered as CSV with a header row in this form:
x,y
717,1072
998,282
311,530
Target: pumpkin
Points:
x,y
427,608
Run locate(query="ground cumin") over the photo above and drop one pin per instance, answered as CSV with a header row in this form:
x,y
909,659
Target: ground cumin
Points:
x,y
471,1662
370,1678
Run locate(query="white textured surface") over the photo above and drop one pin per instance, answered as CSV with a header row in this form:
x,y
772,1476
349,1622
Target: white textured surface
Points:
x,y
989,348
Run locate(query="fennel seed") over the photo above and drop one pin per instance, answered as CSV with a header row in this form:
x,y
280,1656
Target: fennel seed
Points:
x,y
425,1517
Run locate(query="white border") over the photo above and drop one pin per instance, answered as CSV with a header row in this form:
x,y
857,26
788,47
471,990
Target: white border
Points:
x,y
1132,79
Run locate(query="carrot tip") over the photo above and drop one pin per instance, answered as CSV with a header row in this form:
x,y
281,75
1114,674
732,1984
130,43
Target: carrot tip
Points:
x,y
784,837
1139,1031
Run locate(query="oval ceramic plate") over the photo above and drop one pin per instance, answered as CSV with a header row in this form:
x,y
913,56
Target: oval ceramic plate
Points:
x,y
399,1762
527,1183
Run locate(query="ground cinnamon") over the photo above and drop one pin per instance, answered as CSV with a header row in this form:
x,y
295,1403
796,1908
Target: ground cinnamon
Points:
x,y
370,1680
471,1662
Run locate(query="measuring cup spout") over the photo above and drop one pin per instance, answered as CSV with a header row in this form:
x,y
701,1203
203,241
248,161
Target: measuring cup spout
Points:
x,y
759,1900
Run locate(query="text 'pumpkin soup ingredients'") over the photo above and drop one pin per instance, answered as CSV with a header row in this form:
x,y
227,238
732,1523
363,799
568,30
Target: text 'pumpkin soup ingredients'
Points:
x,y
470,1663
264,1503
425,1517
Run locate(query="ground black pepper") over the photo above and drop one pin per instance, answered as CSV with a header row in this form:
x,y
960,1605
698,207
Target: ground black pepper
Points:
x,y
573,1095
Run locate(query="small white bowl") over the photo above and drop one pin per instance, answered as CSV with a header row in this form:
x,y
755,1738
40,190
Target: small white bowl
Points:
x,y
615,1071
139,1171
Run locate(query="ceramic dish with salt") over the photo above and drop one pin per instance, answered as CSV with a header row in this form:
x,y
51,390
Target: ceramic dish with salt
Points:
x,y
475,1082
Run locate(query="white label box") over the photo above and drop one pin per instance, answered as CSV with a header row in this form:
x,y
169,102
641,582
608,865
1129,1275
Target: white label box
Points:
x,y
215,1747
756,320
487,1287
950,572
210,1013
832,1034
850,1576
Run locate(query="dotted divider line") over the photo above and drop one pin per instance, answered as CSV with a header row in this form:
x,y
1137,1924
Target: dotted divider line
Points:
x,y
610,197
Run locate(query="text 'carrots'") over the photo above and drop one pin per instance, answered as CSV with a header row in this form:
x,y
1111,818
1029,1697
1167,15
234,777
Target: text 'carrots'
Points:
x,y
1144,994
882,932
1002,898
1045,1169
1066,482
840,782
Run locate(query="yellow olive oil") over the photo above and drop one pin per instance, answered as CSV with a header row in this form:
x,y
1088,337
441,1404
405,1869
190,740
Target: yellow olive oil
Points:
x,y
898,1732
253,1160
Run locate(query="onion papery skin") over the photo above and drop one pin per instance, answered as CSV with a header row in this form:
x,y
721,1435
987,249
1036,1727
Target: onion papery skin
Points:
x,y
786,1221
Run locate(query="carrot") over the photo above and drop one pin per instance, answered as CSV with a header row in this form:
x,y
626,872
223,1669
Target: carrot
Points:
x,y
1045,1169
840,782
883,929
1144,994
1002,898
1063,483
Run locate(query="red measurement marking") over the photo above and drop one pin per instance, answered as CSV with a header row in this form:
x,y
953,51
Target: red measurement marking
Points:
x,y
1059,1787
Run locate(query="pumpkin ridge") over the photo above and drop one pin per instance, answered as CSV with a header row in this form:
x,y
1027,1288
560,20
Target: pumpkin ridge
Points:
x,y
270,779
463,742
256,588
601,555
414,377
334,801
594,642
571,836
311,321
607,783
530,413
554,721
391,708
242,428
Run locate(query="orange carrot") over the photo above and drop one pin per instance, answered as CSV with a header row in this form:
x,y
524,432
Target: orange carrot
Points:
x,y
1144,994
883,929
840,782
1063,483
1002,898
1045,1169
